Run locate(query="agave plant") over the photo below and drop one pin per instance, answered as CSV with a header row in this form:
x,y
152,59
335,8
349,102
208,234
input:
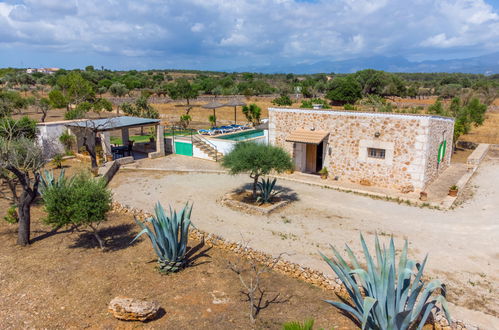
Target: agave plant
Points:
x,y
394,297
169,238
49,181
267,190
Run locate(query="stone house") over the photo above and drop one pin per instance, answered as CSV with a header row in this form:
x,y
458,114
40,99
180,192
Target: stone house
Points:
x,y
397,151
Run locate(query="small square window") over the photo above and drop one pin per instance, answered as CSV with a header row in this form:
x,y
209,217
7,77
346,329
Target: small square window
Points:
x,y
376,153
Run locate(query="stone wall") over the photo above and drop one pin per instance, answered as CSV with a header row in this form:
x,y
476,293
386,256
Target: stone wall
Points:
x,y
440,129
408,140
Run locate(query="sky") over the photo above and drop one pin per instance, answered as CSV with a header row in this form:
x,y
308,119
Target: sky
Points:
x,y
233,34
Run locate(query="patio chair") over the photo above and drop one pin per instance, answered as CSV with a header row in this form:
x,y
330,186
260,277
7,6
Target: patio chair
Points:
x,y
218,130
237,127
205,131
227,128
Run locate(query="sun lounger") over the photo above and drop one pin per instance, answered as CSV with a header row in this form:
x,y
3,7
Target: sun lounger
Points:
x,y
207,131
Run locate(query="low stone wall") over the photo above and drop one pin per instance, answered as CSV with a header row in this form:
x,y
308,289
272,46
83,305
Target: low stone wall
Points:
x,y
285,267
477,155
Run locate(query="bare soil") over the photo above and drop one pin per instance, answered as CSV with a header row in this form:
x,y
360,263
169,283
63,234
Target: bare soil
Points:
x,y
64,281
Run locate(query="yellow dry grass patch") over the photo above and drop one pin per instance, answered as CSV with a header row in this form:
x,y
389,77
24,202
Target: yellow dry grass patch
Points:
x,y
487,133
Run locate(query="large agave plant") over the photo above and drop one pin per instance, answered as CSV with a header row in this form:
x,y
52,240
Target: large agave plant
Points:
x,y
169,238
267,190
394,297
49,181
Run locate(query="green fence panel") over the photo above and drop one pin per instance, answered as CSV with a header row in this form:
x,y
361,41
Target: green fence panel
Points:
x,y
182,148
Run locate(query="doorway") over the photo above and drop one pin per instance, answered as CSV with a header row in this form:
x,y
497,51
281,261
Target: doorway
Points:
x,y
314,157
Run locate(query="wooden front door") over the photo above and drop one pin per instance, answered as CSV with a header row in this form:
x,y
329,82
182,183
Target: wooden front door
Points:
x,y
311,165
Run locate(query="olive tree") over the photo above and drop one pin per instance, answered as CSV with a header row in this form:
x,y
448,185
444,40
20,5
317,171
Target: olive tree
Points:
x,y
21,156
81,202
257,160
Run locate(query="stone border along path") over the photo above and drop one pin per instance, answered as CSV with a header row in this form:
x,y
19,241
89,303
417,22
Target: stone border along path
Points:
x,y
287,268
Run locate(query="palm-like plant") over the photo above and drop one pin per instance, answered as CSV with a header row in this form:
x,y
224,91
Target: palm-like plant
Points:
x,y
389,299
169,238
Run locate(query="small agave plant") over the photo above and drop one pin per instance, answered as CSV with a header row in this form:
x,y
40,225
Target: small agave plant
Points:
x,y
267,191
169,238
392,297
49,181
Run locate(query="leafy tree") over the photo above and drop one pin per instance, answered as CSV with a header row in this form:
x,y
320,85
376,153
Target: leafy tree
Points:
x,y
102,105
44,105
118,89
213,120
21,156
283,100
81,202
257,160
436,108
182,89
372,81
252,113
11,101
57,99
75,88
344,90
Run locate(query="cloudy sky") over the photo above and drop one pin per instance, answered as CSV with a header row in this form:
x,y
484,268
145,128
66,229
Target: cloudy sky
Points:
x,y
232,34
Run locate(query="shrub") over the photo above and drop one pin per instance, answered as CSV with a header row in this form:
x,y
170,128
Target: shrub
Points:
x,y
257,159
169,239
308,104
81,202
349,106
57,160
294,325
282,100
67,140
11,216
389,299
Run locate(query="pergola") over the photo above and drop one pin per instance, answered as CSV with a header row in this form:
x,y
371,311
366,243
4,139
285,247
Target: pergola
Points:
x,y
91,128
213,105
235,104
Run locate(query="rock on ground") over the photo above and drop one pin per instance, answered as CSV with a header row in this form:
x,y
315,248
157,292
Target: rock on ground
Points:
x,y
130,309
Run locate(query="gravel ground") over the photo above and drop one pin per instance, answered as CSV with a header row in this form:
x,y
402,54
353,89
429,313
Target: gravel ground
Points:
x,y
462,243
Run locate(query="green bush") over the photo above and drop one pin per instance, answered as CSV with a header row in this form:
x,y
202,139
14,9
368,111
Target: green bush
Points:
x,y
81,202
68,140
294,325
11,216
57,160
282,100
309,104
393,294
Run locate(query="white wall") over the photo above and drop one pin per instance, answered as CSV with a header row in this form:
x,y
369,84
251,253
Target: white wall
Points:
x,y
48,138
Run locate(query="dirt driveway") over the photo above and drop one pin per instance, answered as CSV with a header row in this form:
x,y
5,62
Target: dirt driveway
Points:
x,y
462,243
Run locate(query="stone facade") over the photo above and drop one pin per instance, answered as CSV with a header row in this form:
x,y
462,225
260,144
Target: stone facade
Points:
x,y
410,145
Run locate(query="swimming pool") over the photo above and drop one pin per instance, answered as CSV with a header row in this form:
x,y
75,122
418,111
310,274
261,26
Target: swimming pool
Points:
x,y
244,135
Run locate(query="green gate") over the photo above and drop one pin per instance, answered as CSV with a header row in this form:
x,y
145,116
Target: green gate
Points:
x,y
182,148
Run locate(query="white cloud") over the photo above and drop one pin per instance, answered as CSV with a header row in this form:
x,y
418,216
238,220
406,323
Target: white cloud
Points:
x,y
265,31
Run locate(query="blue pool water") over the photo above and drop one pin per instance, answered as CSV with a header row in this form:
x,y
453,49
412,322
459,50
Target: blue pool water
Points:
x,y
244,135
